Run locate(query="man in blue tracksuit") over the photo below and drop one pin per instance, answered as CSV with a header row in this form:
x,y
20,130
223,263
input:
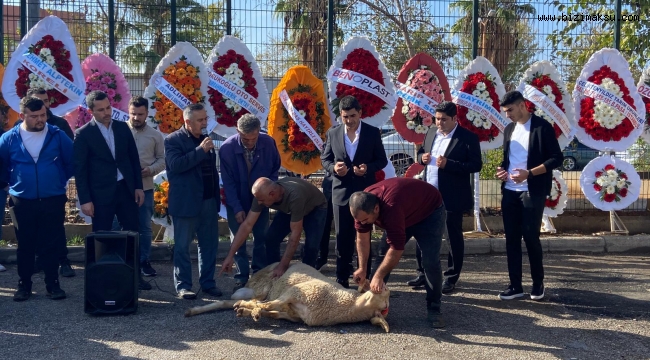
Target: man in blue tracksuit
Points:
x,y
36,162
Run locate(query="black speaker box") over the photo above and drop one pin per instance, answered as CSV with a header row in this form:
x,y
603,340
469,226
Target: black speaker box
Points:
x,y
112,272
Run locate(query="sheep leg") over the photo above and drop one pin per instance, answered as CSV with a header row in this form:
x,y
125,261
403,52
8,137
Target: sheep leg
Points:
x,y
258,313
380,321
217,305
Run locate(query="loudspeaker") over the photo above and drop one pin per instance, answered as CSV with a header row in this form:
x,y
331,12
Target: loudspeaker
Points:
x,y
112,272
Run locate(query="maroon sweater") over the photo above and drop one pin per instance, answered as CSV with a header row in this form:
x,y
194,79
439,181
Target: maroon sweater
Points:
x,y
403,202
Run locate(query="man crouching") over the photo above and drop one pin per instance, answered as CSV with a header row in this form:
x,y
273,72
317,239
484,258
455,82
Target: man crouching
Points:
x,y
405,208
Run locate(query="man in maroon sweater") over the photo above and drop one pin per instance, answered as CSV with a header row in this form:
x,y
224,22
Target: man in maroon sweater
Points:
x,y
405,208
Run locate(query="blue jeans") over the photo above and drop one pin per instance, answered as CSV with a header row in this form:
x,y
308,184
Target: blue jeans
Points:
x,y
259,245
206,228
144,212
313,224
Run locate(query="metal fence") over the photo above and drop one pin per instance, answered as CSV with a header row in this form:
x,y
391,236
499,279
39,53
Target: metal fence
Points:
x,y
281,33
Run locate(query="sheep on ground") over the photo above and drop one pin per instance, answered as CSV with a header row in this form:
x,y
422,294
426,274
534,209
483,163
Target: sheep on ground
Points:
x,y
302,293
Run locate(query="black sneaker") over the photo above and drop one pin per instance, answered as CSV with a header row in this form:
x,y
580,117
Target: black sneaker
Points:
x,y
146,269
55,292
435,319
144,285
418,281
213,291
511,293
447,287
537,293
186,294
66,270
23,293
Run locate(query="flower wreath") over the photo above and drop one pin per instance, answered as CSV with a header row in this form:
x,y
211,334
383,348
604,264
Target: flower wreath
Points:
x,y
481,79
422,73
556,201
102,74
232,60
297,151
388,172
610,183
10,115
600,126
359,55
52,42
543,76
183,68
645,80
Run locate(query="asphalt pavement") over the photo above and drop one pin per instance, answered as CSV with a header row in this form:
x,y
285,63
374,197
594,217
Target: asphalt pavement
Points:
x,y
597,307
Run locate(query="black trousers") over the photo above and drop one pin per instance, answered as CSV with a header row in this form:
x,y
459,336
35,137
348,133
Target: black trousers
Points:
x,y
324,246
345,241
522,217
123,206
34,222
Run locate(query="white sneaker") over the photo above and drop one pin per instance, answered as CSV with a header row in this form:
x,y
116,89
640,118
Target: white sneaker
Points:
x,y
2,268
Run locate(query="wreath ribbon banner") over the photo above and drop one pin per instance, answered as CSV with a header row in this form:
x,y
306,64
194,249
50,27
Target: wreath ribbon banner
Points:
x,y
416,97
542,101
300,120
597,92
362,82
117,114
43,70
482,107
644,90
238,95
171,92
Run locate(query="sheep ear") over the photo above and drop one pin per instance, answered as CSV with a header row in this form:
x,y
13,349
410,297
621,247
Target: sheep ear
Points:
x,y
380,321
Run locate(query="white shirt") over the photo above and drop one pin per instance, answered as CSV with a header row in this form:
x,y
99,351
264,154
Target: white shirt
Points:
x,y
110,141
440,145
518,155
33,141
351,146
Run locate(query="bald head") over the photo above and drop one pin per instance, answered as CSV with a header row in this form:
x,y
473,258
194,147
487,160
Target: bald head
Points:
x,y
266,191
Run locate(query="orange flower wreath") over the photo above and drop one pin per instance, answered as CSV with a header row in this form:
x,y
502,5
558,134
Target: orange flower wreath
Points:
x,y
12,116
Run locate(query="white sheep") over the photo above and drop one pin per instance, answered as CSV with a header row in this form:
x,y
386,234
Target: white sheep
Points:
x,y
302,293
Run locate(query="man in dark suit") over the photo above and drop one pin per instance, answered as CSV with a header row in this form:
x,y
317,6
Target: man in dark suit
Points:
x,y
107,168
353,153
451,154
193,201
530,153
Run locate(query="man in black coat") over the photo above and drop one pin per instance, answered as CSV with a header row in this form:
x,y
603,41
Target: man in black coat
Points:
x,y
451,155
107,168
530,153
353,153
66,270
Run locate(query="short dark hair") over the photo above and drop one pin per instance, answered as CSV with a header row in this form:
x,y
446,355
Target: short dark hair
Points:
x,y
189,109
349,102
511,97
35,91
447,107
363,201
139,101
31,103
94,96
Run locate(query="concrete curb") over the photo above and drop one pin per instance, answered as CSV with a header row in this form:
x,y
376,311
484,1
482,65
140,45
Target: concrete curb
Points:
x,y
480,246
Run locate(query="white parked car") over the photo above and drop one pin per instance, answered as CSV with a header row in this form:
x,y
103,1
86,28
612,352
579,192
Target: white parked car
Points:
x,y
399,152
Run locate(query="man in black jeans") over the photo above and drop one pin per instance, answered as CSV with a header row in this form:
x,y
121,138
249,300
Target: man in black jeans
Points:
x,y
66,270
37,162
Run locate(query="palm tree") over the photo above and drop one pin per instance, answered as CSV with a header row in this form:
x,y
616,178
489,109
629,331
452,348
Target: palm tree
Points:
x,y
499,35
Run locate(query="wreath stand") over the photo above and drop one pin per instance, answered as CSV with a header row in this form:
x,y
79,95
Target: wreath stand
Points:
x,y
616,225
547,225
478,231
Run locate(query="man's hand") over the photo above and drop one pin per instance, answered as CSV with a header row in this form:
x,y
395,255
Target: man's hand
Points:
x,y
279,270
340,168
240,216
377,285
227,265
360,170
426,158
520,176
146,172
502,174
207,144
88,209
139,197
359,276
441,161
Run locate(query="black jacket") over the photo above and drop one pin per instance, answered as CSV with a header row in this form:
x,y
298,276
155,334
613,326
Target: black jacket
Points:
x,y
370,151
61,123
95,167
463,159
543,148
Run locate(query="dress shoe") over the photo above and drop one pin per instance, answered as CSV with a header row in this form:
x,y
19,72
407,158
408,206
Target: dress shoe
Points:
x,y
447,287
418,281
66,270
345,283
213,291
435,319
